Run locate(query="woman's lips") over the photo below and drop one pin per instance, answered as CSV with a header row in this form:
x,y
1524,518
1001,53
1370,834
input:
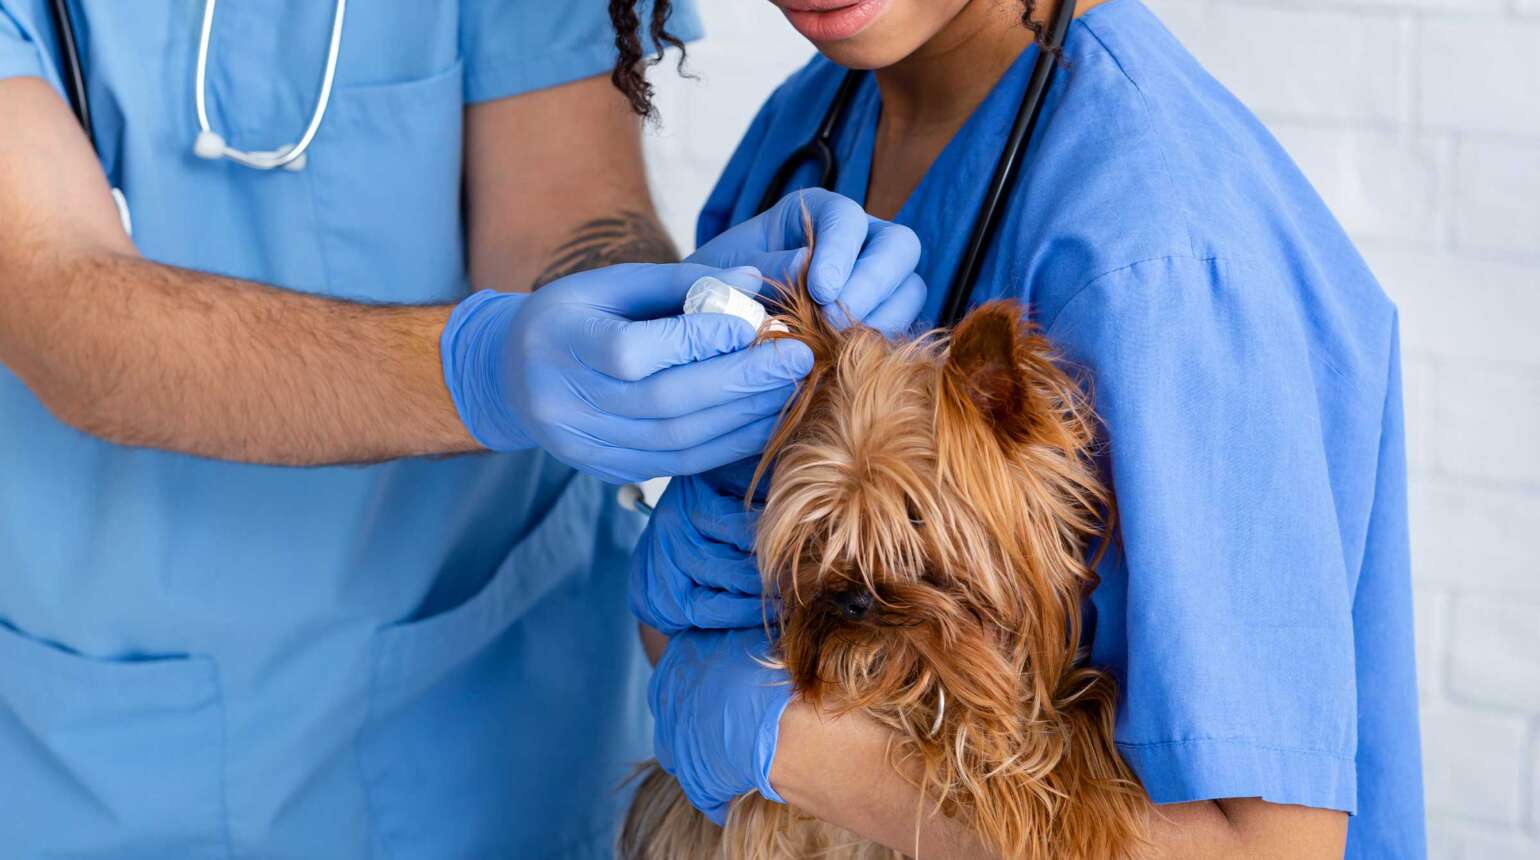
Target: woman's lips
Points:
x,y
825,21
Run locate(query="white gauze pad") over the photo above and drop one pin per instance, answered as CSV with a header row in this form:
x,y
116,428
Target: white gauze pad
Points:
x,y
711,296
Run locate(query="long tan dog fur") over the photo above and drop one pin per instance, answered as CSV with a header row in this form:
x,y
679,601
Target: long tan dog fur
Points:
x,y
928,524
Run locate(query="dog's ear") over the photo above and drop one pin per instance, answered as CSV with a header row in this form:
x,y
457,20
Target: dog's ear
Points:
x,y
1000,363
990,356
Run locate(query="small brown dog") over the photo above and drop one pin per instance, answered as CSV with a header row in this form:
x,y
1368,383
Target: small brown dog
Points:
x,y
927,525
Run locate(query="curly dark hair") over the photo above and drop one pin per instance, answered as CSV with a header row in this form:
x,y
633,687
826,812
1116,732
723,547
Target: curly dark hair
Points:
x,y
632,61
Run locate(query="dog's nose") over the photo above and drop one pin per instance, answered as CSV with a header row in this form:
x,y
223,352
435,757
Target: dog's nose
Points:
x,y
853,605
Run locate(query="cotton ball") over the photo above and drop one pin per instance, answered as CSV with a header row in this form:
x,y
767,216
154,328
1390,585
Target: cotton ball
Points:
x,y
712,296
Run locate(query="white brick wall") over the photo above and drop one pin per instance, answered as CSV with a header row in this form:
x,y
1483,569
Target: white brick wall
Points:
x,y
1419,122
1497,195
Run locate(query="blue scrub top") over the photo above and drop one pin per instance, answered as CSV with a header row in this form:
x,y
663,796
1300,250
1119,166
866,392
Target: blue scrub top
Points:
x,y
427,658
1257,608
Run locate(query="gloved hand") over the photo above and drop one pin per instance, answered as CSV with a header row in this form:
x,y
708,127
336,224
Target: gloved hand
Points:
x,y
717,716
863,267
599,370
694,564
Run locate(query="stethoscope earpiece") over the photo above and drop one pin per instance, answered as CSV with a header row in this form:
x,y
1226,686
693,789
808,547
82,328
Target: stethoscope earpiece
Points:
x,y
209,146
298,163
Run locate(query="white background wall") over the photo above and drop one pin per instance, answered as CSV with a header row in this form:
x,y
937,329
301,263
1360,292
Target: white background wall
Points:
x,y
1419,122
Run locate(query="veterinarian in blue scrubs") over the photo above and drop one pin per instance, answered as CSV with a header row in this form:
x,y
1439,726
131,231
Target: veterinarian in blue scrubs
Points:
x,y
425,658
1256,607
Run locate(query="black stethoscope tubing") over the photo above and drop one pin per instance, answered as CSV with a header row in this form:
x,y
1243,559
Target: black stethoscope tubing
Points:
x,y
986,223
820,149
74,73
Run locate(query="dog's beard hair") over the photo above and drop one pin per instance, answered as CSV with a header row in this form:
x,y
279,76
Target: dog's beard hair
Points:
x,y
954,480
971,529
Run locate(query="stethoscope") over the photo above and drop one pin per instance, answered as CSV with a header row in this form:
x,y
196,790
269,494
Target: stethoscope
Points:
x,y
820,150
209,144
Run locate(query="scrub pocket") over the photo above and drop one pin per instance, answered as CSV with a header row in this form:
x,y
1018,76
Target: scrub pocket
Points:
x,y
483,739
108,759
385,169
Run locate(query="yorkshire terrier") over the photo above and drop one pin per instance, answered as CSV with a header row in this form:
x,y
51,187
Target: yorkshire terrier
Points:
x,y
931,513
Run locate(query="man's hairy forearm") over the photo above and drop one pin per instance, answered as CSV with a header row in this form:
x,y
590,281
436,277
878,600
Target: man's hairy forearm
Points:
x,y
144,354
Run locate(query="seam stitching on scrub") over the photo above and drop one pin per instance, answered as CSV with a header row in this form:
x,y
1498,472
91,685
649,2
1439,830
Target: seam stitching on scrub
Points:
x,y
1392,362
1240,741
373,837
491,74
224,758
479,70
320,234
1095,280
1148,116
44,62
1325,359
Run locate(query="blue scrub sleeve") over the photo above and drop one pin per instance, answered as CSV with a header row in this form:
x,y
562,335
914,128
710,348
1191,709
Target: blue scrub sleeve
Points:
x,y
19,56
1232,635
517,47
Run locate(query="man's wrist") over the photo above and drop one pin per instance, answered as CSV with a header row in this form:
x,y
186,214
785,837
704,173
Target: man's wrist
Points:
x,y
473,348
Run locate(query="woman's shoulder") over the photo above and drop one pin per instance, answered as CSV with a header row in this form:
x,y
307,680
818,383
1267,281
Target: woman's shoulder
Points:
x,y
1142,123
1148,158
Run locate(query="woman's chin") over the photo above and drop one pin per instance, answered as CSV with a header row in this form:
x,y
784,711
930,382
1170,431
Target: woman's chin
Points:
x,y
864,53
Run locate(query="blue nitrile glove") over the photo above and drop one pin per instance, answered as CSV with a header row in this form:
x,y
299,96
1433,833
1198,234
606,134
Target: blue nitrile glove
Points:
x,y
600,370
862,266
717,716
597,369
694,564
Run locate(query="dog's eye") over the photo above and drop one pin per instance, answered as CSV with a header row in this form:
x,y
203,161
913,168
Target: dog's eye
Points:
x,y
852,605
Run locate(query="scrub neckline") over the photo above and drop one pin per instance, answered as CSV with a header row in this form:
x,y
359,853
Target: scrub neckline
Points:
x,y
855,179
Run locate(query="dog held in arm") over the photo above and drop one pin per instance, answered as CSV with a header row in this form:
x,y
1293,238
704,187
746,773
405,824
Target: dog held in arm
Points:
x,y
931,511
